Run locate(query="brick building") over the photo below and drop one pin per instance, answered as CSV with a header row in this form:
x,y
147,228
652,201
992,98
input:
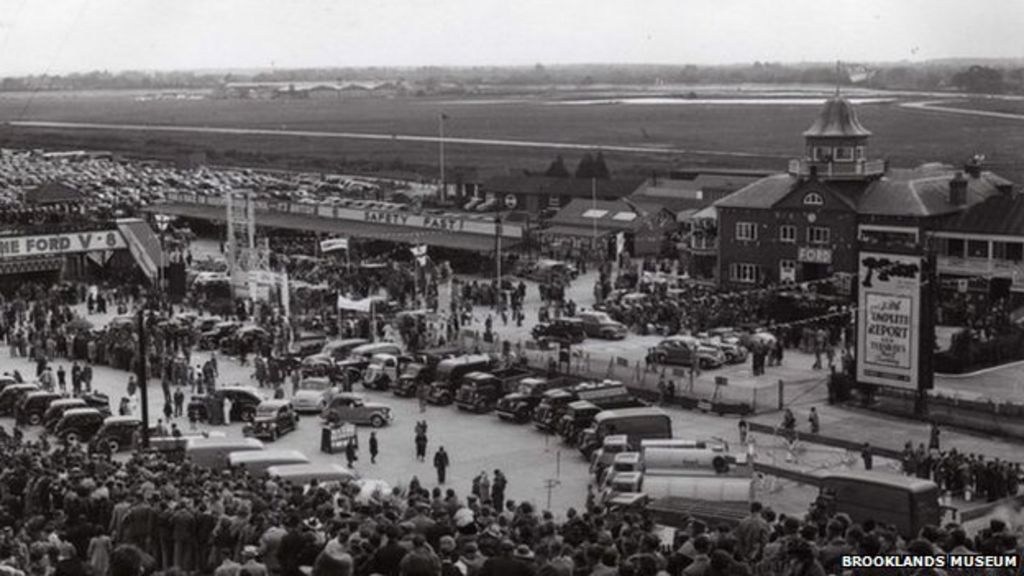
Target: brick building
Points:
x,y
808,223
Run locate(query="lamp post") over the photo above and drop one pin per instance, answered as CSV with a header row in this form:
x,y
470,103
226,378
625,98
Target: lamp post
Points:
x,y
142,375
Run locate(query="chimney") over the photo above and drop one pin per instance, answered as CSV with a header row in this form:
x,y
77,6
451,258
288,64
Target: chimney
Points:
x,y
958,190
973,167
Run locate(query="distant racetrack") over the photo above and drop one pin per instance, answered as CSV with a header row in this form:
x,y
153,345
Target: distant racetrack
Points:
x,y
932,106
383,137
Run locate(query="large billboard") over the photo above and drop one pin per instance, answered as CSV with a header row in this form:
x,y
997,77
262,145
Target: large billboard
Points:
x,y
57,244
888,320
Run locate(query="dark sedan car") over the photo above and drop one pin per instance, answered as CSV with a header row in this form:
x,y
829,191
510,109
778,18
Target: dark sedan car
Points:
x,y
273,418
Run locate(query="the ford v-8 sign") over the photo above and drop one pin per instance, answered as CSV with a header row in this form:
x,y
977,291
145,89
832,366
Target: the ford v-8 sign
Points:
x,y
52,244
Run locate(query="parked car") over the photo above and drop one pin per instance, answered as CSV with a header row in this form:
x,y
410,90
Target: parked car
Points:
x,y
273,418
244,401
383,371
519,405
480,391
735,353
597,324
313,394
6,381
559,331
12,394
33,405
354,409
116,433
685,350
247,338
78,425
210,339
423,369
57,408
339,349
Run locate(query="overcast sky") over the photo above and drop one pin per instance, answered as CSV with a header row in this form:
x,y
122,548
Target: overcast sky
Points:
x,y
58,36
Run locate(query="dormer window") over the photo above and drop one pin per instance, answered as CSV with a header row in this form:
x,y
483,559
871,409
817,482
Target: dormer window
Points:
x,y
814,199
843,154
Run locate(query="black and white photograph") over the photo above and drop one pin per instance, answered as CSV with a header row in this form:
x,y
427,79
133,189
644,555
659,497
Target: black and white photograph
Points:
x,y
535,288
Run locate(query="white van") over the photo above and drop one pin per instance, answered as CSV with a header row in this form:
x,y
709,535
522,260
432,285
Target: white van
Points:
x,y
256,462
214,452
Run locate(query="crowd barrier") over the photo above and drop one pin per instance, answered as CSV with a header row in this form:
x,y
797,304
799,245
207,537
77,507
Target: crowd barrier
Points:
x,y
703,392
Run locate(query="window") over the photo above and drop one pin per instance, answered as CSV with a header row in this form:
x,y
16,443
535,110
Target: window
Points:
x,y
821,154
746,231
977,249
844,154
787,233
1013,251
818,235
746,273
860,152
787,265
595,213
955,247
814,199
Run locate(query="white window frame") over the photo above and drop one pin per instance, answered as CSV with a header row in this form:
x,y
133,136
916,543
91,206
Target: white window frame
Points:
x,y
750,227
814,199
787,238
811,235
743,273
787,264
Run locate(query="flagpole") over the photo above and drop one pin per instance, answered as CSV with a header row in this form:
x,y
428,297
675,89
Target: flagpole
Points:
x,y
593,205
441,129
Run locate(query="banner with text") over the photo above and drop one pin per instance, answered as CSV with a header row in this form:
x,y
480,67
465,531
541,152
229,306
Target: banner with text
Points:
x,y
56,244
887,319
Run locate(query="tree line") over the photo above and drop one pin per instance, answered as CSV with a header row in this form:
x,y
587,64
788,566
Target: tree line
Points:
x,y
984,77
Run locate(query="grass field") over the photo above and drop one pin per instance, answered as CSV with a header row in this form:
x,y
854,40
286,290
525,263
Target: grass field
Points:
x,y
905,137
990,105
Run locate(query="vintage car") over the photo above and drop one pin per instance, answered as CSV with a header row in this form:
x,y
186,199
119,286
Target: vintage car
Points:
x,y
33,405
78,425
353,409
210,339
11,395
560,331
339,349
685,350
273,418
599,324
244,401
313,394
116,434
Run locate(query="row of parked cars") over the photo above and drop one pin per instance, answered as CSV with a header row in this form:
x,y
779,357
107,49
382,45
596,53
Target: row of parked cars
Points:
x,y
707,350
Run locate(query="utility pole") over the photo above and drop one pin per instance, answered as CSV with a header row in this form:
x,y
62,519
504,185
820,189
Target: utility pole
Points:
x,y
497,256
142,376
593,206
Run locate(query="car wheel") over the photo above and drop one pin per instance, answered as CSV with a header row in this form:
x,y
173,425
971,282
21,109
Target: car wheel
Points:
x,y
273,435
377,421
34,419
114,446
446,399
247,415
71,437
704,364
660,358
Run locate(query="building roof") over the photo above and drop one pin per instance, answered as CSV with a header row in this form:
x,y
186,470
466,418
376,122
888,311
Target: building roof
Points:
x,y
837,119
914,192
1002,215
585,214
53,193
574,187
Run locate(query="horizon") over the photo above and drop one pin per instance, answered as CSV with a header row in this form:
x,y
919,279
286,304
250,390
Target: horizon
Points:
x,y
82,36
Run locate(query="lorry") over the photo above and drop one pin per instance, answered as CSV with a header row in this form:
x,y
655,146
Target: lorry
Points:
x,y
635,423
547,416
580,414
480,391
518,406
620,453
422,370
451,371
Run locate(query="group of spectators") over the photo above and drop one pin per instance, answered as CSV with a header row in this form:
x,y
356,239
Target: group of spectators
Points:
x,y
66,512
964,475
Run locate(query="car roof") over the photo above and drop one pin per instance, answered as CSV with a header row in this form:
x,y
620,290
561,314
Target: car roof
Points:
x,y
121,420
67,402
22,387
243,456
277,402
81,412
630,412
349,395
40,393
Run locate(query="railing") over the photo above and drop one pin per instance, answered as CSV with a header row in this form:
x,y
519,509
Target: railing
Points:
x,y
855,169
983,266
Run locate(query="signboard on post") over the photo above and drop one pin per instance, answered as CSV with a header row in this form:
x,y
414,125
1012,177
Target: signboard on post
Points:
x,y
888,319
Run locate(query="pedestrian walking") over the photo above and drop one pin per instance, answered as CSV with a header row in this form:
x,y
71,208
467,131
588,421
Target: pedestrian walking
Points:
x,y
498,486
441,463
421,446
866,456
179,402
374,448
933,437
168,411
351,454
421,395
744,428
813,419
62,381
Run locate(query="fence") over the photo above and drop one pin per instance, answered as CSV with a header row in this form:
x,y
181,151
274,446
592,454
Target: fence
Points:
x,y
701,391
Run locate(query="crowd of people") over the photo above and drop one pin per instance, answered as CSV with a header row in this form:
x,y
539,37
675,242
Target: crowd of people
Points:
x,y
64,511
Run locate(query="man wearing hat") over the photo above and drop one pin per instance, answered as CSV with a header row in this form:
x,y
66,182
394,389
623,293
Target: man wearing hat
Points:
x,y
251,563
471,561
332,562
506,563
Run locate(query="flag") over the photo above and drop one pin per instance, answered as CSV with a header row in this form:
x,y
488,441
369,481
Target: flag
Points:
x,y
857,73
333,244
